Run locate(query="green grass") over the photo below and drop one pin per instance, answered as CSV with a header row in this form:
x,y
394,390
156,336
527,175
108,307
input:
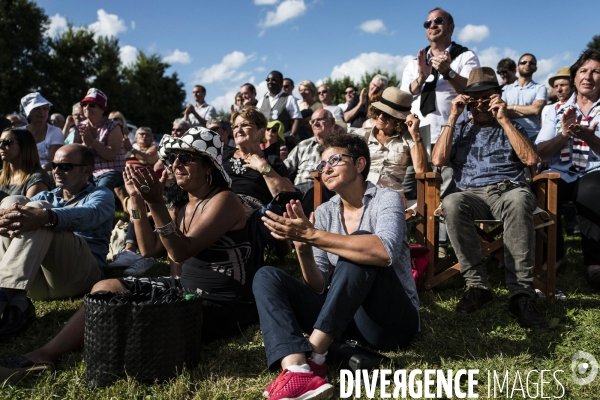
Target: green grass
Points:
x,y
235,369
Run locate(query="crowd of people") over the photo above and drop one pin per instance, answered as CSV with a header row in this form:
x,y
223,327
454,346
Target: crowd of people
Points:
x,y
208,196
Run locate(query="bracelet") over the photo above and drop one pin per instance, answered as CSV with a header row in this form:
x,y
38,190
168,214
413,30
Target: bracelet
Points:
x,y
418,140
418,83
135,214
451,126
167,229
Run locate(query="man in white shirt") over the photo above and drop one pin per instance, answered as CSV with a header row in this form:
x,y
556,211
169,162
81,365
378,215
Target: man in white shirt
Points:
x,y
279,105
349,93
201,112
325,97
525,98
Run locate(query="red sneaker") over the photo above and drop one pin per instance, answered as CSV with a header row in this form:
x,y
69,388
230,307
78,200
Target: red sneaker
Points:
x,y
320,370
301,386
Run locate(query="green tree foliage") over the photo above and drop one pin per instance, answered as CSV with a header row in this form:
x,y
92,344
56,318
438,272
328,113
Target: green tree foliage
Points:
x,y
338,86
23,51
594,44
150,97
108,75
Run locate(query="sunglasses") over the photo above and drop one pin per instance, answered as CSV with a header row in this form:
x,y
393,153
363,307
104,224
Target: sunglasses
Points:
x,y
438,21
271,80
527,62
333,161
184,158
88,105
66,166
286,86
323,92
7,142
383,115
474,102
502,71
319,120
350,92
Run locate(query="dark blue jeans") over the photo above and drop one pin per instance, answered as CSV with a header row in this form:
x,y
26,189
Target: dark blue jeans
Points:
x,y
364,303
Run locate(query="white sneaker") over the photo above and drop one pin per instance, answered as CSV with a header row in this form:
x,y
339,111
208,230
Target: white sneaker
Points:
x,y
140,267
124,258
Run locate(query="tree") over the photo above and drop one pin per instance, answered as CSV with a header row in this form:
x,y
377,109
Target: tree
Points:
x,y
23,51
70,69
150,97
594,44
107,68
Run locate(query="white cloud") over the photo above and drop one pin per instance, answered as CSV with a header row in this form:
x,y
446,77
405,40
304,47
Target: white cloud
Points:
x,y
285,11
473,33
225,70
260,69
370,62
489,57
263,58
58,24
132,25
225,101
373,26
265,2
128,54
107,24
178,56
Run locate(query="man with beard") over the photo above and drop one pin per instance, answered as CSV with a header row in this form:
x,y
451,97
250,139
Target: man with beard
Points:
x,y
507,69
278,105
525,98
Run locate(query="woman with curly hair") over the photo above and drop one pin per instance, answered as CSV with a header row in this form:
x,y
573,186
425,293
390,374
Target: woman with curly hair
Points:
x,y
394,141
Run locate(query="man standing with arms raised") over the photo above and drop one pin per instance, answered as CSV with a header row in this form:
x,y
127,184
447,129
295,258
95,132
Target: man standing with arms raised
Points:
x,y
202,112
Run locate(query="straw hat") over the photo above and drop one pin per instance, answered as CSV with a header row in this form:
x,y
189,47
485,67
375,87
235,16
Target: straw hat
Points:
x,y
394,102
563,73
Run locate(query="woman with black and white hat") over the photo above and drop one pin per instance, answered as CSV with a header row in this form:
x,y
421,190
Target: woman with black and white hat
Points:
x,y
394,141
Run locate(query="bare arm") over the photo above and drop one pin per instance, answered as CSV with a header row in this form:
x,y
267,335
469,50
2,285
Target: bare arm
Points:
x,y
36,188
350,114
516,111
418,154
440,155
295,126
275,182
521,144
149,157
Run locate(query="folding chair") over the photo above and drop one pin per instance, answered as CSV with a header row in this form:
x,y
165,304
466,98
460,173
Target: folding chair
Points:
x,y
544,217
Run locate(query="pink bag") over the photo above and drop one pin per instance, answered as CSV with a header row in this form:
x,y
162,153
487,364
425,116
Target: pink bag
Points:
x,y
419,258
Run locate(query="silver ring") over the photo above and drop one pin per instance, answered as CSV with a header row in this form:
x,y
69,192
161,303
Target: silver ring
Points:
x,y
144,188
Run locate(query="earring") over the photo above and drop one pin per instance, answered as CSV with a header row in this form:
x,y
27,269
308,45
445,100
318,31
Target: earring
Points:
x,y
209,179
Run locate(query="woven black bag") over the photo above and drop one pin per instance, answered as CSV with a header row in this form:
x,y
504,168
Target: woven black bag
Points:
x,y
147,336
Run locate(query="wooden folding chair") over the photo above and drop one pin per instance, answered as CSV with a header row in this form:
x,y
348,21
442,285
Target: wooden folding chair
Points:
x,y
545,216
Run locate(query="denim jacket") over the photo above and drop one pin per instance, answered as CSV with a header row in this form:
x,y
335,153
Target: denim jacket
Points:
x,y
88,215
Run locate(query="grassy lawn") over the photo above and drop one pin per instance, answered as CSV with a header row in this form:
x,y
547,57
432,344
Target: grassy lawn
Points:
x,y
489,340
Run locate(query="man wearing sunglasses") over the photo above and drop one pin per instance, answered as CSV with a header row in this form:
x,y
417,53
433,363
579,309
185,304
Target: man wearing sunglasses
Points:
x,y
349,92
526,98
489,155
277,105
54,244
326,98
507,70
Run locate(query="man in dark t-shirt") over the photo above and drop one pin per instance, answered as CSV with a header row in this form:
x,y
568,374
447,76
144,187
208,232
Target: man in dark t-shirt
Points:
x,y
488,155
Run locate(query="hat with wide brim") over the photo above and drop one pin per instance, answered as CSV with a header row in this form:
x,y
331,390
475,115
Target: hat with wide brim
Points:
x,y
481,79
394,102
197,140
33,100
280,129
563,73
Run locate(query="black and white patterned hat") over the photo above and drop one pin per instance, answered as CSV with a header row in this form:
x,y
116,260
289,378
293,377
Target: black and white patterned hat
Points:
x,y
197,140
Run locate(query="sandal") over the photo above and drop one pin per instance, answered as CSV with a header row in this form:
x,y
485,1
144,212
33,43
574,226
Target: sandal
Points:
x,y
593,278
16,368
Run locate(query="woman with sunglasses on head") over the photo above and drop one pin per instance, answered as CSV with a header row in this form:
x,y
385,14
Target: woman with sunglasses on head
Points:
x,y
370,294
394,141
105,138
48,137
21,172
206,232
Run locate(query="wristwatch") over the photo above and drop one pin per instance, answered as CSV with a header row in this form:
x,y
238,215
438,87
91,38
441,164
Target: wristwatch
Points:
x,y
451,75
266,169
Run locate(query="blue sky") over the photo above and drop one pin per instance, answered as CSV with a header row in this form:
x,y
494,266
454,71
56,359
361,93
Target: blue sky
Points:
x,y
222,44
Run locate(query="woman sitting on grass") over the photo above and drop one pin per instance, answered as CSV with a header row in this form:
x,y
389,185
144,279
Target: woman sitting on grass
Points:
x,y
208,234
371,295
21,172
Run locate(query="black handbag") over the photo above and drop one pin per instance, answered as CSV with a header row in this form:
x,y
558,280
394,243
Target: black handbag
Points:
x,y
149,336
353,356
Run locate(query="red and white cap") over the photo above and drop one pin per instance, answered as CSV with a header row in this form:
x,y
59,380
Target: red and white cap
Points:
x,y
96,96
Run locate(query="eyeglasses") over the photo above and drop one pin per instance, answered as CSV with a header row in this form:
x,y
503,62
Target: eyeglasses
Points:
x,y
528,62
271,80
353,92
383,115
184,158
88,105
474,102
7,142
438,21
333,161
66,166
286,86
502,72
323,92
319,120
243,126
